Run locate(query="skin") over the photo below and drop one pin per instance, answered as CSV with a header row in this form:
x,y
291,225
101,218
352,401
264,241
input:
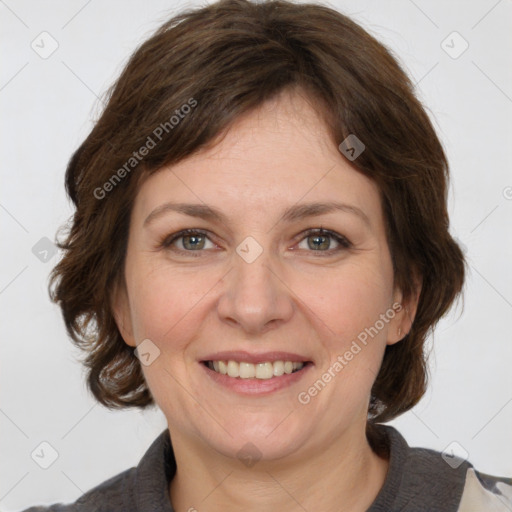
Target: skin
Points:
x,y
291,298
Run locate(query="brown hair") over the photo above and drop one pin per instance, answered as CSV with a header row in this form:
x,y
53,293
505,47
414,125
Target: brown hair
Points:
x,y
222,61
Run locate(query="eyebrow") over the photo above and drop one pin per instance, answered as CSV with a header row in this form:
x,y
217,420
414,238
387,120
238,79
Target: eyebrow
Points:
x,y
291,214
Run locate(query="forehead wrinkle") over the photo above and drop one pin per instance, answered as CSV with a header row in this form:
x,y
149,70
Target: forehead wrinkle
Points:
x,y
291,214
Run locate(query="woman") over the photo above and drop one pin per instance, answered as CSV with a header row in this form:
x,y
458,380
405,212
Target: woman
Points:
x,y
260,247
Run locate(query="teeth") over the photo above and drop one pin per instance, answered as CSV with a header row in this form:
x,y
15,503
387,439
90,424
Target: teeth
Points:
x,y
233,369
264,370
245,370
278,368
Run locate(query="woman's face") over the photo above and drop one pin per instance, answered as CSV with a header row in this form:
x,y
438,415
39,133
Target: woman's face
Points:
x,y
250,284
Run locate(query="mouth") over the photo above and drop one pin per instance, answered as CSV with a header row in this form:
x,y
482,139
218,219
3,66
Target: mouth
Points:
x,y
264,370
255,373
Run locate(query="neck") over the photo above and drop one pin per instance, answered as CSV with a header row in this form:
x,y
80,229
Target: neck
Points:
x,y
345,476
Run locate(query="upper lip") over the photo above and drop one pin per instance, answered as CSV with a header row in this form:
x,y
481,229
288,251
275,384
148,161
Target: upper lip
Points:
x,y
254,358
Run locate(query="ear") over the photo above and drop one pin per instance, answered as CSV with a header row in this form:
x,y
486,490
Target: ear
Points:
x,y
121,310
405,312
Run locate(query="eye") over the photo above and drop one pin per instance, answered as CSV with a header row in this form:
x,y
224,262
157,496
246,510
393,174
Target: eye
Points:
x,y
321,240
195,240
188,240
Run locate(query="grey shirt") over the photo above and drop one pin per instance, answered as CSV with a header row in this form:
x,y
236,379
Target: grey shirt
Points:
x,y
418,480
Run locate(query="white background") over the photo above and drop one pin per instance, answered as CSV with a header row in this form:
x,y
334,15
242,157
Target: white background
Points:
x,y
47,109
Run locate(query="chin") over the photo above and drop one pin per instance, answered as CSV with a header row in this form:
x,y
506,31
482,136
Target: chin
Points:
x,y
264,438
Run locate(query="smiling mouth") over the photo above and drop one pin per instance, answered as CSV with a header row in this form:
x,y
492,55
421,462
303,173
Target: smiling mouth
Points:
x,y
264,371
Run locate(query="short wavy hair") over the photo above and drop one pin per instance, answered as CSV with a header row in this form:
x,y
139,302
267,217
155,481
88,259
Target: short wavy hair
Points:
x,y
226,59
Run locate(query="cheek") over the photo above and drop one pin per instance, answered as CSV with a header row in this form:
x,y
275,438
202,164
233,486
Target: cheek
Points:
x,y
165,304
346,307
348,300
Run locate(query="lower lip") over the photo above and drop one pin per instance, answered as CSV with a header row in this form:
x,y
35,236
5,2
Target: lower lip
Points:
x,y
257,386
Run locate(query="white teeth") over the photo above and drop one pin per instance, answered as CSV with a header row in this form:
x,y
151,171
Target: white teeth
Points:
x,y
278,368
223,367
233,369
264,370
246,370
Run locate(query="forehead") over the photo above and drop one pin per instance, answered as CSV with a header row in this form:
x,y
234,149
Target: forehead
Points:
x,y
271,158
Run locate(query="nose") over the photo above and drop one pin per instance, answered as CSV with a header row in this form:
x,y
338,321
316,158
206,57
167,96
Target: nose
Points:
x,y
255,297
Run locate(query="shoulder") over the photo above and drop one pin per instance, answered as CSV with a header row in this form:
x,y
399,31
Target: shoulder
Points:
x,y
421,479
486,492
143,487
112,494
447,478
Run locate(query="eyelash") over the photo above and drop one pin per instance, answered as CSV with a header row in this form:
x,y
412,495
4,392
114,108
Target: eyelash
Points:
x,y
344,243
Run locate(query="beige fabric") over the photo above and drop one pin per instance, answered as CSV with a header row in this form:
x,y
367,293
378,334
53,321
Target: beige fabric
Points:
x,y
476,498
